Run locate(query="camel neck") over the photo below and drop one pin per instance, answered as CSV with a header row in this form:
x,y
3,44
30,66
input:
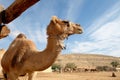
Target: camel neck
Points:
x,y
51,52
55,44
53,49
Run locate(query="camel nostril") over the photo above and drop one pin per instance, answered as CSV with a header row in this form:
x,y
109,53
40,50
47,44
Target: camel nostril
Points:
x,y
80,30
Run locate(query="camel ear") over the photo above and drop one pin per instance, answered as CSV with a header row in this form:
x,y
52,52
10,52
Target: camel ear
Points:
x,y
54,19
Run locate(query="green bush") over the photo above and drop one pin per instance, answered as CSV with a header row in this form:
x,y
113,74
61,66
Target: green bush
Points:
x,y
70,65
114,64
105,68
56,67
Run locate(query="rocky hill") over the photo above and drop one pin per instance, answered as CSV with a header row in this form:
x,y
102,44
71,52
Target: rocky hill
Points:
x,y
86,60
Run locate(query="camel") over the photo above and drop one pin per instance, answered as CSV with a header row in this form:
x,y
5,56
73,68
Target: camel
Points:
x,y
22,56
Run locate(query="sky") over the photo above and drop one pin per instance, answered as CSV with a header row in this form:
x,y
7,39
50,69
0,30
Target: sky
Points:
x,y
100,20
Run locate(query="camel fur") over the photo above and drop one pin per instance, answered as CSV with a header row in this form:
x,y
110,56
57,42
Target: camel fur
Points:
x,y
23,57
2,51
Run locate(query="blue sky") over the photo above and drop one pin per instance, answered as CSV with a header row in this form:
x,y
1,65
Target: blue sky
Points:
x,y
99,18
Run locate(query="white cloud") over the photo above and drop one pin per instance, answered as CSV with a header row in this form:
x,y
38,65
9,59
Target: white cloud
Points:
x,y
104,35
107,31
82,47
34,32
74,8
111,14
14,33
108,47
14,30
39,36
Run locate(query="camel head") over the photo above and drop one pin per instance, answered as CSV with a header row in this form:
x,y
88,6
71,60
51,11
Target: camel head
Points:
x,y
62,27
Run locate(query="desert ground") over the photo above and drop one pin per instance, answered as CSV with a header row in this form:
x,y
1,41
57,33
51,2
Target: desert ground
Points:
x,y
75,76
81,60
78,76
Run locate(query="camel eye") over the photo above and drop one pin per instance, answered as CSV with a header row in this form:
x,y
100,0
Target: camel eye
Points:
x,y
66,23
77,24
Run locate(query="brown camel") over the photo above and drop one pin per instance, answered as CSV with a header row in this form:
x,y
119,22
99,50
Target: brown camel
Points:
x,y
23,57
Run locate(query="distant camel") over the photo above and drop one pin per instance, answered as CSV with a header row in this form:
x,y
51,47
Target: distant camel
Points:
x,y
23,57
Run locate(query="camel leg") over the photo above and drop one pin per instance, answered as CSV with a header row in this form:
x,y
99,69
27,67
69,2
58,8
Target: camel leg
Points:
x,y
12,76
32,75
4,74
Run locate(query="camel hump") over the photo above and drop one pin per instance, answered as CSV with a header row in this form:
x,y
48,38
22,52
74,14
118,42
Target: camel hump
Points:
x,y
18,58
21,35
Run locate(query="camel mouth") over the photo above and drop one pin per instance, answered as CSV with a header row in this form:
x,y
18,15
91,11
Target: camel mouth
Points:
x,y
79,31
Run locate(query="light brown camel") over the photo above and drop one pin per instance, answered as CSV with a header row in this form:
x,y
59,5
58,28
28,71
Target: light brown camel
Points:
x,y
23,57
